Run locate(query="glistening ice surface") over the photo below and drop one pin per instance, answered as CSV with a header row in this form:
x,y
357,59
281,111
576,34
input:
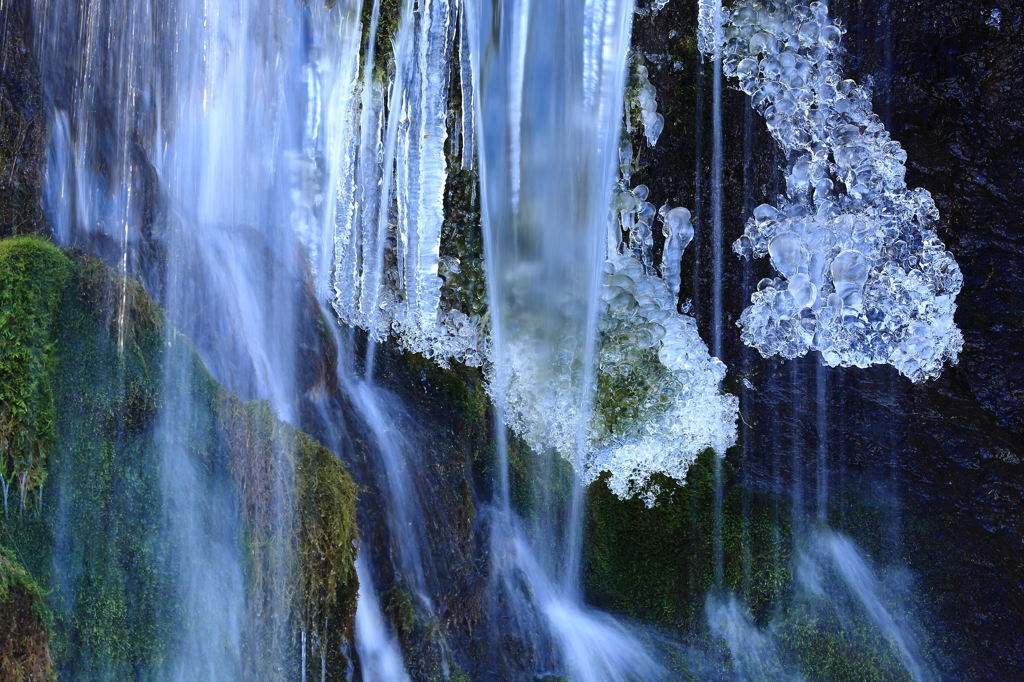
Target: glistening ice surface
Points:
x,y
864,279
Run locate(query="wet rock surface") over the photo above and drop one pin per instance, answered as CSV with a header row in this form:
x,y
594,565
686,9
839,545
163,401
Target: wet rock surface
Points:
x,y
23,125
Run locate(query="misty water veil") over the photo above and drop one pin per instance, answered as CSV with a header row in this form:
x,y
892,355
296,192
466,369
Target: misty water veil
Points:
x,y
495,265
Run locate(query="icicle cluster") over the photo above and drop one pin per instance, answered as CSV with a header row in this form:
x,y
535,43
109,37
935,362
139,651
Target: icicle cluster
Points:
x,y
864,279
391,178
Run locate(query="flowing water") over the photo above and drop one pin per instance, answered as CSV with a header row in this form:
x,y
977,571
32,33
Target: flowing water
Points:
x,y
549,84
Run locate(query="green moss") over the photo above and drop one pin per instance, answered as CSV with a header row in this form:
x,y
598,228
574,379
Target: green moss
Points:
x,y
389,18
462,246
105,511
327,538
101,511
96,543
316,542
840,649
657,563
400,612
32,277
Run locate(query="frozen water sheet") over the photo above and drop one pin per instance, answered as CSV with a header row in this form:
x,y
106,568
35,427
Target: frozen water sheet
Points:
x,y
863,277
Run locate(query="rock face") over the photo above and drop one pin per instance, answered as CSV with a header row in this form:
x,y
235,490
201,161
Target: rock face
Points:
x,y
23,125
24,638
926,475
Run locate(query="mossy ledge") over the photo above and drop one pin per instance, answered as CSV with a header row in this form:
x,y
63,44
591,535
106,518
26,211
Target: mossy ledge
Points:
x,y
84,355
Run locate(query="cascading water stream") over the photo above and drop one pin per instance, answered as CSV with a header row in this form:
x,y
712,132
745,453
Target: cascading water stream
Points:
x,y
379,655
210,204
549,83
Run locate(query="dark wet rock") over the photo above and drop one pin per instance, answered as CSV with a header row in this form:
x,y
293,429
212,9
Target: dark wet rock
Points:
x,y
23,125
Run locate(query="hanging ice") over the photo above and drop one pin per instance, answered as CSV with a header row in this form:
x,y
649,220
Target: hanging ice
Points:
x,y
864,277
709,27
389,171
642,98
658,400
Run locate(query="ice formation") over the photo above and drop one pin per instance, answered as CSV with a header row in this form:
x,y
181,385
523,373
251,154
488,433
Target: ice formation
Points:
x,y
391,171
864,279
709,27
657,388
642,99
658,402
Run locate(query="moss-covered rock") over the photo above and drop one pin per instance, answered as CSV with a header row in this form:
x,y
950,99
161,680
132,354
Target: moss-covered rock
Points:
x,y
299,505
657,563
390,15
24,625
102,366
32,276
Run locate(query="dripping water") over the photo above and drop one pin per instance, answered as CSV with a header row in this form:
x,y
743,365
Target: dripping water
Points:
x,y
716,260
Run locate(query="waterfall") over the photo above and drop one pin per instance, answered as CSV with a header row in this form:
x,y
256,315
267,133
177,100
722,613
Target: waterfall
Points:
x,y
549,84
280,176
184,151
379,656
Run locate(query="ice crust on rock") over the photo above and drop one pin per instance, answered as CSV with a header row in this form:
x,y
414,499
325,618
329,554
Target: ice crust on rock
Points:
x,y
659,404
864,278
642,97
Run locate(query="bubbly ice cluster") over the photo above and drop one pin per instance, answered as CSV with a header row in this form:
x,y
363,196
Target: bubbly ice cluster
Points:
x,y
709,27
658,398
864,279
642,101
658,403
